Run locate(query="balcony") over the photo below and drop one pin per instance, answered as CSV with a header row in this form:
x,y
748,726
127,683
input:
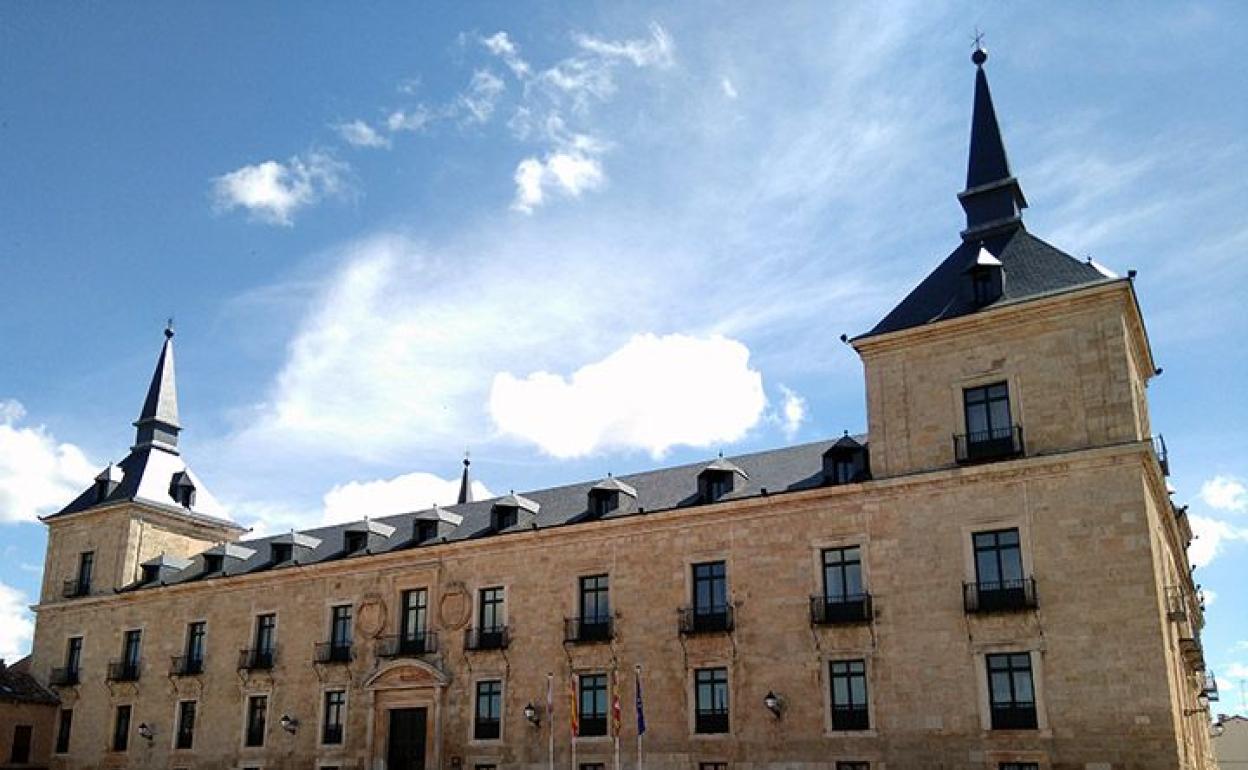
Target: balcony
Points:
x,y
410,646
588,630
63,677
331,734
485,729
1003,596
706,620
850,718
1163,456
493,638
74,589
840,610
1209,686
1176,603
332,652
1016,716
182,665
592,726
123,671
256,659
988,445
1193,653
710,722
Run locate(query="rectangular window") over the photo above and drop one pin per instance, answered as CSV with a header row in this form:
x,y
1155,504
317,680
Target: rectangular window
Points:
x,y
711,700
195,633
710,596
592,709
131,650
265,641
185,738
1010,691
849,694
491,610
86,566
425,531
19,754
998,559
335,711
64,728
257,711
842,574
412,621
340,633
853,766
987,412
486,725
73,656
121,728
595,606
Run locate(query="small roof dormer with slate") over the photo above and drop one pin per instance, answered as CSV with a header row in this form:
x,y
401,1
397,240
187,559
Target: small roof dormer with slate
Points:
x,y
610,496
997,261
718,479
513,511
365,535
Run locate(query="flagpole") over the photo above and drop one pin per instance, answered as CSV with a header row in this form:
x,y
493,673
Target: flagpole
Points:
x,y
615,713
574,720
550,719
641,719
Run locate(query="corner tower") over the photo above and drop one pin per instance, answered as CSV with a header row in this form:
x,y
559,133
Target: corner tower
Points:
x,y
149,503
1010,347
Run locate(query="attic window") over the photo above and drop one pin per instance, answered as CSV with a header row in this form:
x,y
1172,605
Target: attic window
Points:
x,y
846,463
281,552
150,573
355,541
602,502
981,287
182,489
425,531
213,562
987,278
714,485
505,516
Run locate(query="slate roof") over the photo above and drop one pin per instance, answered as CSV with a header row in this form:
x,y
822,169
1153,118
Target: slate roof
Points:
x,y
777,471
1030,268
17,686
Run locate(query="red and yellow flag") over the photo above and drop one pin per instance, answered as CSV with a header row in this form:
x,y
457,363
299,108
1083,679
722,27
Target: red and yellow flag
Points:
x,y
615,702
574,711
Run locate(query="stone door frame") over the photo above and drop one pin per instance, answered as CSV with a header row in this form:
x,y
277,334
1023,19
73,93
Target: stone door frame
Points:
x,y
406,683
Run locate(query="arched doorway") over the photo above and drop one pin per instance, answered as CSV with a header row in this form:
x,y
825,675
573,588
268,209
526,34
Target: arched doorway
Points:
x,y
405,717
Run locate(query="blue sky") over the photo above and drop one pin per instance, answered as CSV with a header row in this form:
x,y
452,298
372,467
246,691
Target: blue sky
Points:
x,y
573,238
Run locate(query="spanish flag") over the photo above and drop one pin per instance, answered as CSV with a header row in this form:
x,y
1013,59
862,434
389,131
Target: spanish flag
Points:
x,y
615,702
573,686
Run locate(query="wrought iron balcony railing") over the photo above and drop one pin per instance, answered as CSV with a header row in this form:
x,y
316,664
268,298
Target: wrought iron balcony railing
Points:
x,y
1209,686
1163,455
74,589
837,610
1176,603
592,726
262,659
333,652
1193,653
1001,596
485,729
710,722
409,646
850,718
63,677
586,630
1014,717
124,670
331,734
986,445
182,665
491,638
716,619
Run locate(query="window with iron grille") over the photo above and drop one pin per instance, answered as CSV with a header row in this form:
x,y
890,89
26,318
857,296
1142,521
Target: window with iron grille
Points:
x,y
185,737
592,710
121,728
849,695
63,730
1010,690
489,711
711,700
335,708
257,713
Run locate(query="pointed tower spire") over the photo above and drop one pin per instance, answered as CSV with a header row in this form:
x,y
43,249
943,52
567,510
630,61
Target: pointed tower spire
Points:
x,y
157,425
465,485
993,198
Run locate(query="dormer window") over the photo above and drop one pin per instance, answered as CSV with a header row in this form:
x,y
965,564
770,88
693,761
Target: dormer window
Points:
x,y
718,479
424,531
505,516
608,495
355,541
281,552
182,489
213,562
150,573
846,462
986,277
511,510
981,287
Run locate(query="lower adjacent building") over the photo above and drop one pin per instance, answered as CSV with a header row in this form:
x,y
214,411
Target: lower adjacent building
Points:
x,y
944,591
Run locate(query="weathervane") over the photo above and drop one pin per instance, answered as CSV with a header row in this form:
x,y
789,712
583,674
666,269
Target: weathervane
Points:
x,y
980,54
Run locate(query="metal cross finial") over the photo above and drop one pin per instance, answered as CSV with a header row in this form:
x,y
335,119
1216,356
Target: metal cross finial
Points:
x,y
979,39
169,326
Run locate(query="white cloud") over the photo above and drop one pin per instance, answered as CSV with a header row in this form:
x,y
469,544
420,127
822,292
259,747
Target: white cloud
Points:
x,y
357,133
481,96
792,411
1236,671
410,492
655,51
38,475
17,627
1210,596
569,172
728,88
408,120
653,393
1225,493
273,192
1211,538
502,46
